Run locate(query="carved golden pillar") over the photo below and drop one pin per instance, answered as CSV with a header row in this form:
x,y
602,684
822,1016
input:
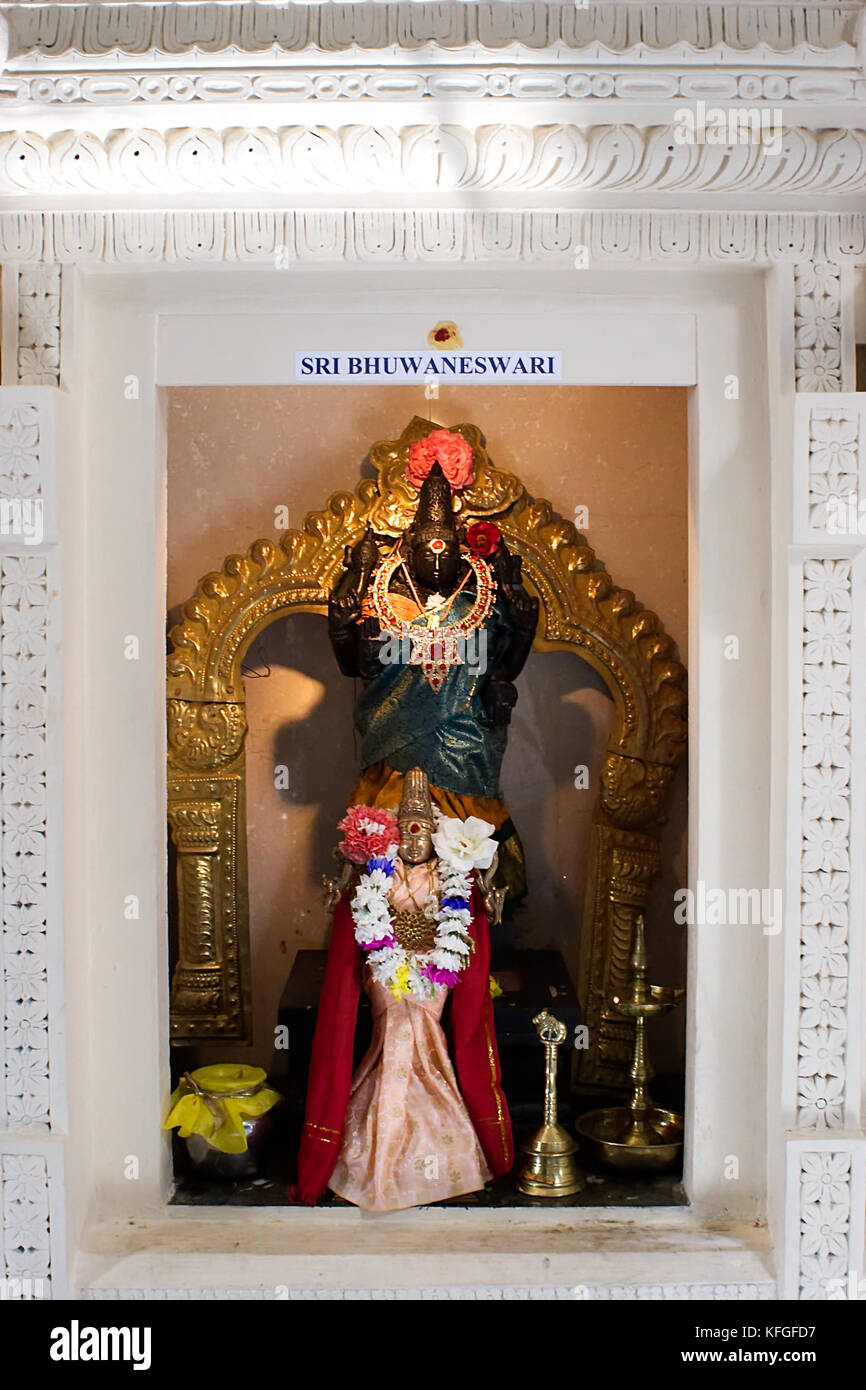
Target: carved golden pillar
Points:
x,y
624,859
210,989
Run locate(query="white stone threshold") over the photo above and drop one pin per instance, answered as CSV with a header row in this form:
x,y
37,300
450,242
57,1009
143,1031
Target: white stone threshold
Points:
x,y
280,1253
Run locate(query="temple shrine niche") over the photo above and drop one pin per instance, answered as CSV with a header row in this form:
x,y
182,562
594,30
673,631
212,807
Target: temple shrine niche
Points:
x,y
436,576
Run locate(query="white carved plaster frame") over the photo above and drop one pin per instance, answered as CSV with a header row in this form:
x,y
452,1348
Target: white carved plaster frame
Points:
x,y
124,320
695,235
33,1079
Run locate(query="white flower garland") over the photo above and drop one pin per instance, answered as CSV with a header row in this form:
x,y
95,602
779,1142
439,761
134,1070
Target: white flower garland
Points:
x,y
461,846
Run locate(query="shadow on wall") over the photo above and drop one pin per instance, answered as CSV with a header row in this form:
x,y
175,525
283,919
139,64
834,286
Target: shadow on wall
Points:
x,y
559,732
302,763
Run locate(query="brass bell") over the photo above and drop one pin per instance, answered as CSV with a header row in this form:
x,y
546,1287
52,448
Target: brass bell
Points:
x,y
550,1168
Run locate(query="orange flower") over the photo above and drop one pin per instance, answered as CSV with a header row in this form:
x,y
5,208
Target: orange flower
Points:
x,y
451,451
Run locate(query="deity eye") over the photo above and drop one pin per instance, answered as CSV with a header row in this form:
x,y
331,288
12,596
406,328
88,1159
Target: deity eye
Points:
x,y
437,546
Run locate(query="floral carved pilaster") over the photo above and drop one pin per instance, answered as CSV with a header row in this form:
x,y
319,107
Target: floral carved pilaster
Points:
x,y
211,978
39,325
827,1163
822,354
826,850
25,1227
833,469
825,1256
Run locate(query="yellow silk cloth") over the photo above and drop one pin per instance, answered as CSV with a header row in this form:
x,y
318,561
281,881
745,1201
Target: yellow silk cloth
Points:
x,y
380,785
218,1116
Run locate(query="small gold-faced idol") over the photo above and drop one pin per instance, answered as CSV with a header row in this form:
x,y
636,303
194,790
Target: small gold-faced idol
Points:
x,y
414,924
415,818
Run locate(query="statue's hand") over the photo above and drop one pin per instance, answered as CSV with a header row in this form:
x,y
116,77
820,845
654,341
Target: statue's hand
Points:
x,y
344,609
360,561
500,697
370,630
522,607
370,649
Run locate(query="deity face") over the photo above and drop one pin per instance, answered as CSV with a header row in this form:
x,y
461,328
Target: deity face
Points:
x,y
436,558
416,844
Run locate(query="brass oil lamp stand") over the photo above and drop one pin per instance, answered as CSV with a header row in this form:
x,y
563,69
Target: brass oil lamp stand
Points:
x,y
550,1167
637,1137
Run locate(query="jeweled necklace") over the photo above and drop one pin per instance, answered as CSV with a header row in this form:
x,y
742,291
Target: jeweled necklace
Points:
x,y
432,609
437,648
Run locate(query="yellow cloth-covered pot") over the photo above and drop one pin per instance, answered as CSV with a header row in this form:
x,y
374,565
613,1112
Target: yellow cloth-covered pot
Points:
x,y
215,1101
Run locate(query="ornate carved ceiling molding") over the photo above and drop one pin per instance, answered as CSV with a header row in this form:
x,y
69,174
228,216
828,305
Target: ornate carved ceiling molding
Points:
x,y
428,159
383,236
120,55
329,84
712,32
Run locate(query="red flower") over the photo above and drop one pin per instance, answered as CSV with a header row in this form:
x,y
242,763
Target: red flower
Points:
x,y
452,452
483,538
369,831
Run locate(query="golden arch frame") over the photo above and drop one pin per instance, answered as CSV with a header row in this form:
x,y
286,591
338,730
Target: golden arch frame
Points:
x,y
583,611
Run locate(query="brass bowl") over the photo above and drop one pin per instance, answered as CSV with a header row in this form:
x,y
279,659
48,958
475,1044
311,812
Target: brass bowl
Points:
x,y
612,1138
662,998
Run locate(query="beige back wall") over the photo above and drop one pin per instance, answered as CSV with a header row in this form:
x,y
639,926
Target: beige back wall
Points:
x,y
236,455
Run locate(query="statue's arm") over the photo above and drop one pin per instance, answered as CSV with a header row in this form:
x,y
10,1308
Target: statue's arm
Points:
x,y
342,630
351,638
522,612
500,695
519,646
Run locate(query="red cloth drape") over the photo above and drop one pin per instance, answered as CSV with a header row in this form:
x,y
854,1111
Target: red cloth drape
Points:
x,y
473,1039
475,1052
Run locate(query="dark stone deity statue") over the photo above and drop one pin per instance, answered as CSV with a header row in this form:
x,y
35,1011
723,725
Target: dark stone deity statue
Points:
x,y
437,626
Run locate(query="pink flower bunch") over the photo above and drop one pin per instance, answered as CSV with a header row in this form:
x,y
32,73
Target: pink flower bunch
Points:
x,y
439,976
451,451
368,832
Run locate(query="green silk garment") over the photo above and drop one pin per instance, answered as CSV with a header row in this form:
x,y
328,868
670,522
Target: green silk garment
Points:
x,y
405,723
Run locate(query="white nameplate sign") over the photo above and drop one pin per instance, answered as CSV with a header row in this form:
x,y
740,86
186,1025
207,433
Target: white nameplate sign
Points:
x,y
485,368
